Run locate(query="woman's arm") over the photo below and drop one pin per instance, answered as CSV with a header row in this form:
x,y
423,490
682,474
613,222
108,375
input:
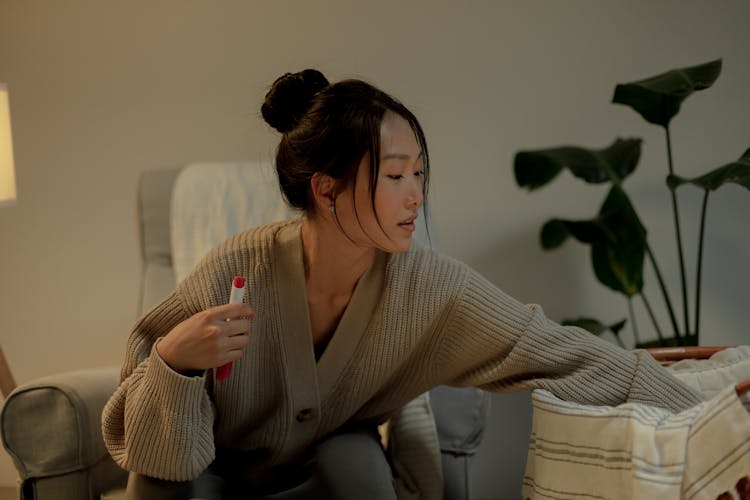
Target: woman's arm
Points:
x,y
495,342
159,422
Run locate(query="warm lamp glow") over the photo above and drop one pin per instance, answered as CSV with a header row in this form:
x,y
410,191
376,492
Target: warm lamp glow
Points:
x,y
7,174
7,197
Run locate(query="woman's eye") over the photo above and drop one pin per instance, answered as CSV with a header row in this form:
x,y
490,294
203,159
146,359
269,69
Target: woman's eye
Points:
x,y
419,173
395,177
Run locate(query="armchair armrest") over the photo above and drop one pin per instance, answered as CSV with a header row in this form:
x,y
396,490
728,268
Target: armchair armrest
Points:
x,y
460,416
51,427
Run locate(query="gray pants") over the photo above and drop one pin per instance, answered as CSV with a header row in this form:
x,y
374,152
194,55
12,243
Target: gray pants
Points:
x,y
346,465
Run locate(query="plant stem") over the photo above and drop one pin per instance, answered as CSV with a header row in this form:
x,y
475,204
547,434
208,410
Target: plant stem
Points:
x,y
653,318
700,265
664,293
675,212
617,181
632,320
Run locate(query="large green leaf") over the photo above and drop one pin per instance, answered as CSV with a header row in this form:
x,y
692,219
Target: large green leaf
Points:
x,y
618,261
617,239
556,231
737,172
658,99
593,325
534,169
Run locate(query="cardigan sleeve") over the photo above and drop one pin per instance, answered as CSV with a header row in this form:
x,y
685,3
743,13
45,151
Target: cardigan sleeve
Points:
x,y
499,344
158,422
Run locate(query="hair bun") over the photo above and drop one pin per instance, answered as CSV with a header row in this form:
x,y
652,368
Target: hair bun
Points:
x,y
290,97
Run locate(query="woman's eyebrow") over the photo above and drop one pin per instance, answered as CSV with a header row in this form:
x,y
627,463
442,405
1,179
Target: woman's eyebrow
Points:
x,y
399,156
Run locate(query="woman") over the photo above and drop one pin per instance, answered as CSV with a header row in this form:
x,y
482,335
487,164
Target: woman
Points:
x,y
345,321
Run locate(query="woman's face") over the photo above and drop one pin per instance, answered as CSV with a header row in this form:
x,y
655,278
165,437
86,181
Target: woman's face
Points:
x,y
399,193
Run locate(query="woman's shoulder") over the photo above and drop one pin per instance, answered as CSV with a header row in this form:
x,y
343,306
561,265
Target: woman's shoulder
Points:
x,y
252,242
427,264
245,254
267,233
424,280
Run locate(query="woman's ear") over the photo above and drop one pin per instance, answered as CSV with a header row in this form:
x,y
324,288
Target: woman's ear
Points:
x,y
324,191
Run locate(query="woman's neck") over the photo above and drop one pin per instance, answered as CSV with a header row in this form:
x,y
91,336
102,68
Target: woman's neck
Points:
x,y
333,263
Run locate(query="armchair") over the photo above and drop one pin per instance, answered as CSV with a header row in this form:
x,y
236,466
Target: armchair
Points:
x,y
51,427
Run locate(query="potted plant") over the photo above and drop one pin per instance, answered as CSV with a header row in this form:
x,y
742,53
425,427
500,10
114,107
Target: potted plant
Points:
x,y
617,237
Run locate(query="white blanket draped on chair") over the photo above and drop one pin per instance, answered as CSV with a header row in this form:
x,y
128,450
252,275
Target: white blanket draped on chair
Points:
x,y
213,201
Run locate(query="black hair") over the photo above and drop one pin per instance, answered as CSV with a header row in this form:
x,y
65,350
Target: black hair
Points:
x,y
328,128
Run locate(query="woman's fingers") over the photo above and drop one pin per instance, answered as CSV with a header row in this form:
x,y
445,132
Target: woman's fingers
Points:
x,y
236,327
230,311
208,339
237,342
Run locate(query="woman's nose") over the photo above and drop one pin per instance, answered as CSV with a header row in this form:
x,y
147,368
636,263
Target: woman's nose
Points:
x,y
414,199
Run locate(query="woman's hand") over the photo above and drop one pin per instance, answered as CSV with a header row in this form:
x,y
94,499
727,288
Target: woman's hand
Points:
x,y
207,339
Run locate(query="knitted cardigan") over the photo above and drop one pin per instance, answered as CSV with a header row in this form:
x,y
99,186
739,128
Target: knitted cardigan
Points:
x,y
415,320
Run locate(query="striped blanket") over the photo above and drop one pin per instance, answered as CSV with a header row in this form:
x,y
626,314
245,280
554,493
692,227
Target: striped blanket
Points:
x,y
637,451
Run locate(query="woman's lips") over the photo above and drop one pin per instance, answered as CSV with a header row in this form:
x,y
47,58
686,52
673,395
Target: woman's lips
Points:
x,y
408,226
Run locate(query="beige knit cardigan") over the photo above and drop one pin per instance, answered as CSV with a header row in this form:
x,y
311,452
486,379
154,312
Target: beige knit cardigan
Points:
x,y
415,320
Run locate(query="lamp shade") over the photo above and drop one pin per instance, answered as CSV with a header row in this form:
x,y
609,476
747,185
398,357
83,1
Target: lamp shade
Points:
x,y
7,174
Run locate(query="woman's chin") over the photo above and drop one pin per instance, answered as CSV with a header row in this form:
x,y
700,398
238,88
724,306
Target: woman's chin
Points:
x,y
401,246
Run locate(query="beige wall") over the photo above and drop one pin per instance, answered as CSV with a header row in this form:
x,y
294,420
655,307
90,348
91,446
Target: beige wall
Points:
x,y
101,91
